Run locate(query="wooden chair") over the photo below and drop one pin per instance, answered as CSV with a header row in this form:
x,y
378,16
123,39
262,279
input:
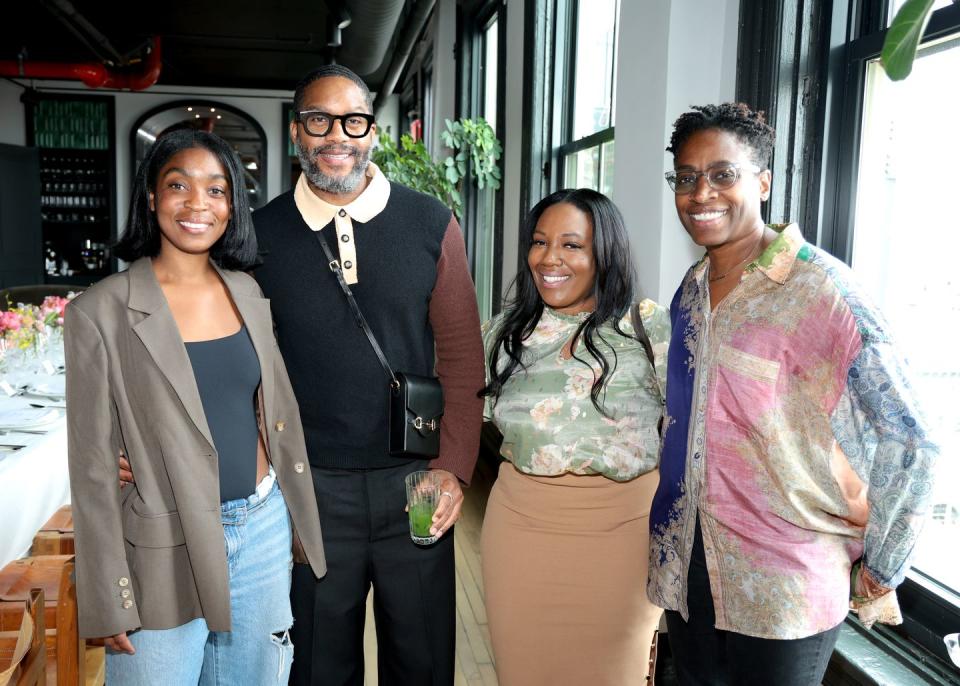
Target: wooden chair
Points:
x,y
69,661
56,536
19,577
26,647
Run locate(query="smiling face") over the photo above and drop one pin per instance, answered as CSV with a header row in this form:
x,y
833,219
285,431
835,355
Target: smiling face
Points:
x,y
561,259
334,164
715,218
191,202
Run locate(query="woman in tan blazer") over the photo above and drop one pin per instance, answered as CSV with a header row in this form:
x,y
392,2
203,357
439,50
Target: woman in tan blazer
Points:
x,y
174,363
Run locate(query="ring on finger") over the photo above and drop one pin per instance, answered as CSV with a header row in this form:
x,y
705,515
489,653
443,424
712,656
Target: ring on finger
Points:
x,y
448,494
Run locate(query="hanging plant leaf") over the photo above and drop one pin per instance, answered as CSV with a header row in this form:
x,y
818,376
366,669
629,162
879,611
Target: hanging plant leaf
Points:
x,y
903,38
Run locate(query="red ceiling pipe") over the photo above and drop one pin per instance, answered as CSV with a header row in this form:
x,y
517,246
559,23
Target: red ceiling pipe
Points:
x,y
92,74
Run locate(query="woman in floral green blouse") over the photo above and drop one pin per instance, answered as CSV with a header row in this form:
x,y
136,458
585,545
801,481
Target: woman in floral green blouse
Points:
x,y
572,390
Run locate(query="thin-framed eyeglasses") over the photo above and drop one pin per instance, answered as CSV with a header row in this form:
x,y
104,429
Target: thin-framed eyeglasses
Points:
x,y
719,177
317,123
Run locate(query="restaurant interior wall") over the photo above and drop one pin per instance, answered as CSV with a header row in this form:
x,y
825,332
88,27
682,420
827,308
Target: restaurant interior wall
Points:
x,y
262,106
671,56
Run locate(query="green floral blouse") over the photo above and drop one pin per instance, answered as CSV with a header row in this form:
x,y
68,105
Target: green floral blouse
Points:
x,y
549,424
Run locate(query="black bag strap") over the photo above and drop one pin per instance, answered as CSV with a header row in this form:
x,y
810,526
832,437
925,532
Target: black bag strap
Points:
x,y
640,332
334,265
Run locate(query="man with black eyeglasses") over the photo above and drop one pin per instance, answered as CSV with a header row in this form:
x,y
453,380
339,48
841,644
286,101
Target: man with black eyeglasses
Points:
x,y
403,256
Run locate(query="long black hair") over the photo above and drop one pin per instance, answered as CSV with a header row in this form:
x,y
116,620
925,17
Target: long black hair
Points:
x,y
613,290
236,249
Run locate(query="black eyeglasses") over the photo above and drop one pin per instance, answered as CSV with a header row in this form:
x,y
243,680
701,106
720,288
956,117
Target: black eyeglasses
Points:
x,y
354,124
719,177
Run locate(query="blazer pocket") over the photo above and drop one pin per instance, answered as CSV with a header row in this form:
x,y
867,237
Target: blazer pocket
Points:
x,y
153,531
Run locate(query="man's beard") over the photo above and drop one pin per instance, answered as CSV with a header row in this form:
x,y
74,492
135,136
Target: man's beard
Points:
x,y
333,184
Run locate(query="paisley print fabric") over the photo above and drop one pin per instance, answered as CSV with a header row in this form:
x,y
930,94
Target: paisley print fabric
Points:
x,y
794,433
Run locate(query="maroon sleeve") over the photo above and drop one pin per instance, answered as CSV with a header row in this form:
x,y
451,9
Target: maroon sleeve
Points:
x,y
456,330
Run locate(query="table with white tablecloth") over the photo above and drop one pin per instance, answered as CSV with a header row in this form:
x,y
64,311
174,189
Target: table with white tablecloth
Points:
x,y
34,484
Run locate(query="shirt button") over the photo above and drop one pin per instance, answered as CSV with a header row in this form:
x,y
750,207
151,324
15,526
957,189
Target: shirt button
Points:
x,y
348,264
345,238
123,581
127,604
281,425
125,593
343,213
298,468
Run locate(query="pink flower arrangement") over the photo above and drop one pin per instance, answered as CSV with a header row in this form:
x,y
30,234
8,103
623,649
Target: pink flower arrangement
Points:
x,y
52,309
10,321
20,325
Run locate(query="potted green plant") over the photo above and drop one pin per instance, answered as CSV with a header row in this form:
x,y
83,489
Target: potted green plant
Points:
x,y
475,150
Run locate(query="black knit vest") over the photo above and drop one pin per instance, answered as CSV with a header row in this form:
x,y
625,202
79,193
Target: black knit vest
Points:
x,y
340,386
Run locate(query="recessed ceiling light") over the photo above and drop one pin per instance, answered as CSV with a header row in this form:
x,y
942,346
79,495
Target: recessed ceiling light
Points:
x,y
189,109
197,116
219,117
213,109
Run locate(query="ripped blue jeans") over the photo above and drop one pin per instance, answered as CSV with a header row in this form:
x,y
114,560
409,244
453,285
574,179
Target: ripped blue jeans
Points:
x,y
257,651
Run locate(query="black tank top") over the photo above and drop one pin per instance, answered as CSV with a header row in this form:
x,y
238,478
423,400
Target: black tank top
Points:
x,y
228,373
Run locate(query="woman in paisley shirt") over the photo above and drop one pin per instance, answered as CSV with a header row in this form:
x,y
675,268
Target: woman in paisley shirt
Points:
x,y
570,387
795,445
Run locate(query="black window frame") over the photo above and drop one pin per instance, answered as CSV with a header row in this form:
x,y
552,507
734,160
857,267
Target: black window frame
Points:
x,y
806,66
473,19
930,609
563,144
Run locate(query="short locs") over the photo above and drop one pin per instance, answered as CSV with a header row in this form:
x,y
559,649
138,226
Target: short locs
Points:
x,y
748,125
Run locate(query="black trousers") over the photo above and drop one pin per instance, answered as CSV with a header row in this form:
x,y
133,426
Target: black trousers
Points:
x,y
367,542
705,656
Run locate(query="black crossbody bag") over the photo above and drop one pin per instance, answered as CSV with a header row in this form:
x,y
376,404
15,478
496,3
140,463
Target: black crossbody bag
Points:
x,y
415,401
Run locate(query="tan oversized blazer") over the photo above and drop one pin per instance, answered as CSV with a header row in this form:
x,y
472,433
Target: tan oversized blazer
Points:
x,y
152,555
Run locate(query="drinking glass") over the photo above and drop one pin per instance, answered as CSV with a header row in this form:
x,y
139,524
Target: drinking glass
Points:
x,y
423,495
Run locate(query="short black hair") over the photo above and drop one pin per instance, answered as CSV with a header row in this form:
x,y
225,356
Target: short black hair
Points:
x,y
750,126
324,72
236,249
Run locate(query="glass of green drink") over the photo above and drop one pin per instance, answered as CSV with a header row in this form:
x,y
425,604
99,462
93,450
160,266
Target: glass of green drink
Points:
x,y
423,494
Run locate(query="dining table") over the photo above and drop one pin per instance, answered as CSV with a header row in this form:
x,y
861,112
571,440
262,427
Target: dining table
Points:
x,y
34,481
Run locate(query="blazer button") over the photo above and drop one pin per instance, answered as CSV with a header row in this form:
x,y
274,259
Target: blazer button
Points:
x,y
298,468
281,425
125,593
123,581
127,604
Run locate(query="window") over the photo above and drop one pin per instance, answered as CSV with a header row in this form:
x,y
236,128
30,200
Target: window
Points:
x,y
886,216
482,93
895,6
896,236
486,205
588,94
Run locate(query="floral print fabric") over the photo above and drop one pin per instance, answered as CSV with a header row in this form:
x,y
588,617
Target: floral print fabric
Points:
x,y
549,424
793,433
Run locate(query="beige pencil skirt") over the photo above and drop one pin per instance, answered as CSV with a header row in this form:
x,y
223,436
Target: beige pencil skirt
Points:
x,y
564,576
